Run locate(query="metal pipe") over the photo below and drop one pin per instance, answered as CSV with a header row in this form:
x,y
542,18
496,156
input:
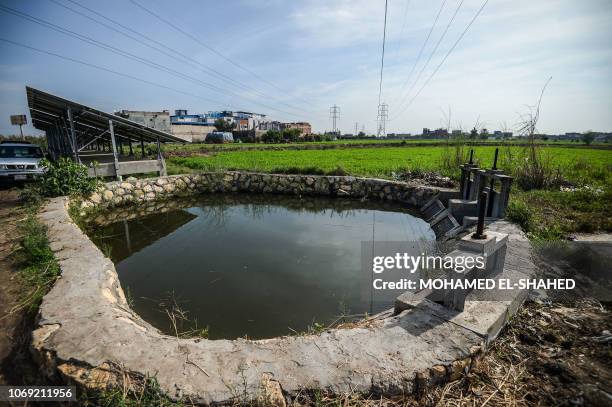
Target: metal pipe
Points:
x,y
492,185
495,159
472,156
482,202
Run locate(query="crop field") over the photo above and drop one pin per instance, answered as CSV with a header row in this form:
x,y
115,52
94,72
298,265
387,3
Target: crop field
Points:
x,y
577,165
358,142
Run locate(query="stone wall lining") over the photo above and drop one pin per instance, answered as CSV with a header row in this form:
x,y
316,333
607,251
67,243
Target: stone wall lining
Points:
x,y
135,190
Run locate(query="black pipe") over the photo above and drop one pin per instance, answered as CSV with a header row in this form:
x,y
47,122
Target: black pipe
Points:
x,y
495,159
481,217
492,184
472,156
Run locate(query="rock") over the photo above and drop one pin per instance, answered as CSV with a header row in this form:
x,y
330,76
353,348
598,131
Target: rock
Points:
x,y
107,195
127,186
272,393
95,198
147,188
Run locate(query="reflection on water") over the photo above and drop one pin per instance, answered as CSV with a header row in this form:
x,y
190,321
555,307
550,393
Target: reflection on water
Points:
x,y
255,265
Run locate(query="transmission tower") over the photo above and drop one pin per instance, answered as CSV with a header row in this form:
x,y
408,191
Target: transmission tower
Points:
x,y
334,114
356,127
383,116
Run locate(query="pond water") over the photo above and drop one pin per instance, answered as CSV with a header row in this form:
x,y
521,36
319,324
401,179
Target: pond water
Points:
x,y
253,265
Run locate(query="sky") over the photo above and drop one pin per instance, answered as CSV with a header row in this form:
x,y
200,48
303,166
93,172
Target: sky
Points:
x,y
292,60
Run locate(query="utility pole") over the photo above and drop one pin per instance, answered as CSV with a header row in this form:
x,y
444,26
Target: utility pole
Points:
x,y
356,125
334,114
383,116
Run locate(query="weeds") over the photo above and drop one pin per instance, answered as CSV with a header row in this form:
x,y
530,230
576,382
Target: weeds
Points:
x,y
39,268
180,323
129,394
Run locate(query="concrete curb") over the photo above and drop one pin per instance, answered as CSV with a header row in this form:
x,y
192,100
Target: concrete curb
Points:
x,y
86,331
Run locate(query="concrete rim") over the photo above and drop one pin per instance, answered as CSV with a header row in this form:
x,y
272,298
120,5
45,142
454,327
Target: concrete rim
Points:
x,y
86,330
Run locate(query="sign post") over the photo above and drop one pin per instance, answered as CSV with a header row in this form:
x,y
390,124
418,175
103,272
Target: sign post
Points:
x,y
19,120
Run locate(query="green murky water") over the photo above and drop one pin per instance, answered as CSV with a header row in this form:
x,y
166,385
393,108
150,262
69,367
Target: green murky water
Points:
x,y
252,265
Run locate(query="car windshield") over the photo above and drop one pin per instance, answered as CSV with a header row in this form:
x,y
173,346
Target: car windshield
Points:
x,y
20,152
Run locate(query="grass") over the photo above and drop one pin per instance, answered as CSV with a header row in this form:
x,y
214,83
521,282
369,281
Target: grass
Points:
x,y
348,143
39,268
576,165
550,215
132,393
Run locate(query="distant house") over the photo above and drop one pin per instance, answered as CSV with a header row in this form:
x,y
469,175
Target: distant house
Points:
x,y
269,125
191,127
435,134
155,120
304,127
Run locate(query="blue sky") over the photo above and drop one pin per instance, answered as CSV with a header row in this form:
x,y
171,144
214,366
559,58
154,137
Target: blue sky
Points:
x,y
294,59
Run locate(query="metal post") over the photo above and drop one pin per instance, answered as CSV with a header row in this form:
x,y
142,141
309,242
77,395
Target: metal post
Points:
x,y
472,156
75,147
21,132
160,159
482,204
492,184
112,134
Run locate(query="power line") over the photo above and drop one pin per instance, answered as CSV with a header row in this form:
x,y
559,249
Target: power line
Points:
x,y
131,56
433,26
447,54
208,47
382,57
450,22
405,20
101,68
198,65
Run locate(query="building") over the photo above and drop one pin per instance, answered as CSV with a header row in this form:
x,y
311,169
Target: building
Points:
x,y
499,135
242,121
435,134
155,120
191,127
269,125
304,127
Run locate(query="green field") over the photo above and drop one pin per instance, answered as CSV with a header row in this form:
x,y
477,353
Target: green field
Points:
x,y
577,165
358,142
545,213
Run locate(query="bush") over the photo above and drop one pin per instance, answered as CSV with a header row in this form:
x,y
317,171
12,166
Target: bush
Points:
x,y
518,212
65,177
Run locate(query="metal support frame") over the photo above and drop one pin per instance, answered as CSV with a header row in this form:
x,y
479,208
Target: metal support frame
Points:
x,y
75,146
112,134
92,140
160,159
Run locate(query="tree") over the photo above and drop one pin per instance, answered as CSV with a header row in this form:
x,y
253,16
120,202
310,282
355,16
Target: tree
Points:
x,y
224,125
588,137
473,133
291,135
484,134
272,136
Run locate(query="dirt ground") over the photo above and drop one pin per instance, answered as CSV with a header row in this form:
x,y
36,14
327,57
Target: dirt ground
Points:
x,y
16,365
552,353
